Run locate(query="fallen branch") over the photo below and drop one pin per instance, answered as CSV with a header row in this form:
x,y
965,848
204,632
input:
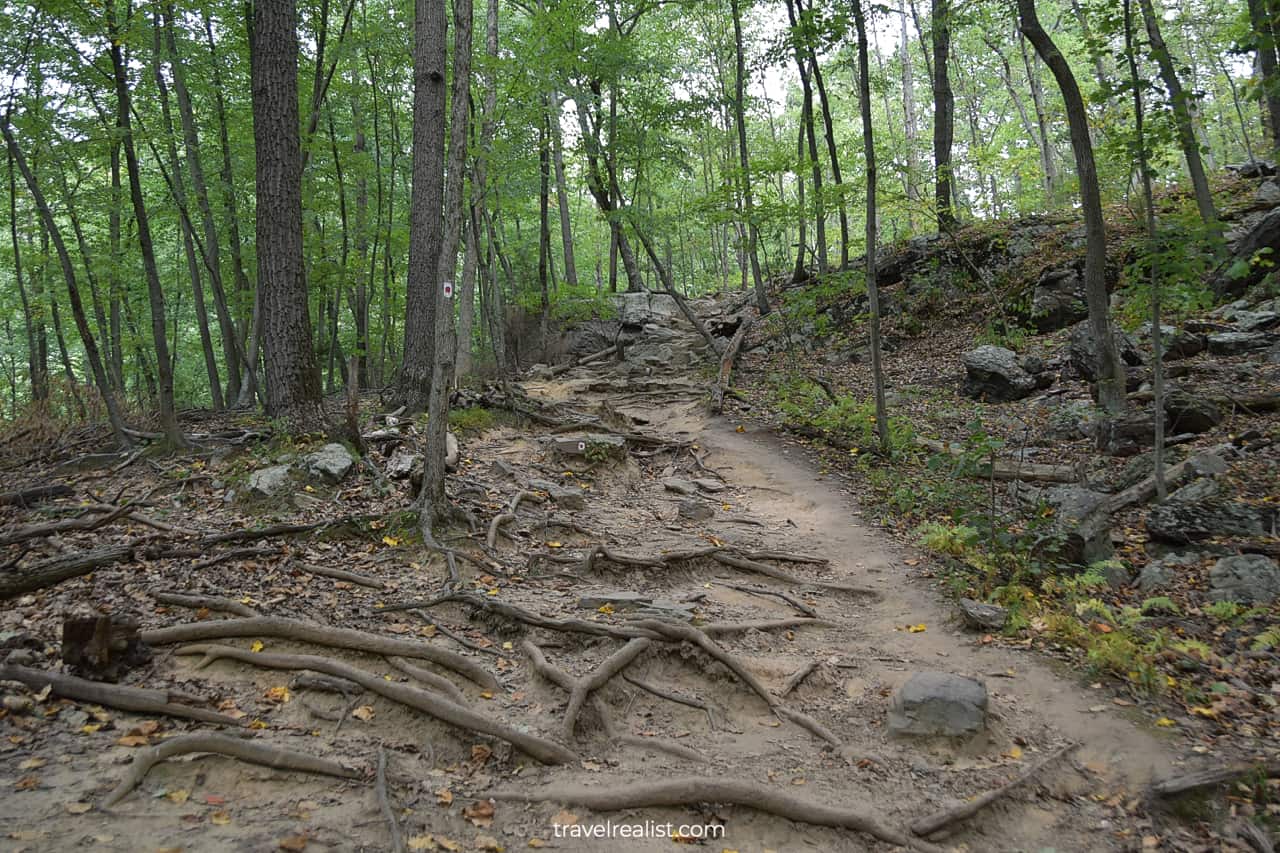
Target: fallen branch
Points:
x,y
432,704
35,494
274,757
727,361
684,791
1212,778
53,528
207,602
747,564
1144,490
939,821
119,696
321,635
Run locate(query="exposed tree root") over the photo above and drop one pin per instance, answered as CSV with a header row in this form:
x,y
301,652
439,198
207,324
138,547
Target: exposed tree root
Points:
x,y
341,574
384,803
798,678
341,638
1212,778
685,790
245,750
491,539
770,593
432,704
727,361
119,696
720,629
936,823
584,687
435,682
519,614
208,602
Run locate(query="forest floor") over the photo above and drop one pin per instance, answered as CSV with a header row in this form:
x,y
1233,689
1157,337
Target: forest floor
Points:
x,y
794,705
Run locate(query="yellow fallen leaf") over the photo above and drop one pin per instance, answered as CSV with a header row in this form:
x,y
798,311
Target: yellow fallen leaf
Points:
x,y
220,818
555,545
278,694
444,796
1015,753
32,764
486,694
257,646
1165,722
179,796
537,843
90,728
390,540
508,646
605,609
364,712
133,740
493,591
740,428
258,724
917,629
78,808
1205,712
422,842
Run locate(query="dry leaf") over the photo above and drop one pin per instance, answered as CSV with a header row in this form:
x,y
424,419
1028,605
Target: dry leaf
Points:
x,y
293,843
278,694
537,843
133,740
32,764
489,843
147,727
220,818
480,753
364,712
422,842
479,813
179,796
564,817
448,844
444,797
78,808
26,783
917,629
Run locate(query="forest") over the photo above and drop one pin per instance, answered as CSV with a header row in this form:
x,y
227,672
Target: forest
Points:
x,y
440,416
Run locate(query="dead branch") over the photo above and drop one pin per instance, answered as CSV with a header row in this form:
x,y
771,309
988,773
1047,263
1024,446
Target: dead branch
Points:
x,y
929,827
384,803
228,556
1212,778
438,683
321,635
35,494
432,704
1144,490
53,528
208,602
274,757
1253,835
727,361
683,791
119,696
584,687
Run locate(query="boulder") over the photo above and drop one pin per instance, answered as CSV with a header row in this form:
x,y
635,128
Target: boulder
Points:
x,y
1081,518
1118,574
709,485
1071,421
270,482
680,487
995,374
1256,321
1268,193
1058,300
589,444
1240,273
1190,521
402,463
635,309
981,616
639,605
1254,168
1246,578
939,703
452,452
563,496
1190,413
1183,344
1082,350
1128,435
1237,343
330,463
693,509
1160,573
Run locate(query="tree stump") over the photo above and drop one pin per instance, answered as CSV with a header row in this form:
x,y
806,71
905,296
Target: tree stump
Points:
x,y
102,647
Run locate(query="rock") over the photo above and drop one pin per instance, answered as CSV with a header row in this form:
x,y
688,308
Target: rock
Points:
x,y
1254,168
1159,573
1081,518
695,510
1268,192
330,463
1246,578
983,617
270,482
1190,521
1256,321
589,445
402,463
1082,350
680,487
1183,344
638,308
1190,413
1235,343
1117,574
939,703
1127,435
1197,490
564,496
995,374
1239,273
1206,464
1072,421
1058,300
452,452
709,485
639,604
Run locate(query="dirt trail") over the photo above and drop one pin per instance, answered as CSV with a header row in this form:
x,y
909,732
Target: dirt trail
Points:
x,y
756,493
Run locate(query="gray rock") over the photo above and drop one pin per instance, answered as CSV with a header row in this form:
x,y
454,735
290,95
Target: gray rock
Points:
x,y
1200,489
452,452
939,703
402,463
564,496
1127,435
695,510
1256,321
1058,300
1072,421
680,487
330,463
981,616
640,606
709,485
1183,344
1253,168
1080,516
1206,464
270,482
587,444
1190,521
1158,574
1268,192
1117,574
1082,350
1191,413
637,309
617,599
1235,343
1246,578
994,373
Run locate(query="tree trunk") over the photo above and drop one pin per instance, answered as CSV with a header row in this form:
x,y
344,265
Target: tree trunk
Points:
x,y
944,108
873,290
744,160
909,114
467,298
544,227
828,128
292,375
1182,118
806,122
1047,163
1111,376
562,193
155,293
73,291
37,368
1264,35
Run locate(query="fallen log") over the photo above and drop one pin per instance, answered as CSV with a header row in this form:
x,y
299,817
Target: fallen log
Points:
x,y
727,361
686,790
1212,778
274,757
1174,475
55,570
432,704
1004,469
118,696
34,495
53,528
321,635
199,601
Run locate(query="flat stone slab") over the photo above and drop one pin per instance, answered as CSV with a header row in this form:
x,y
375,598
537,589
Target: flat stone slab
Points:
x,y
270,482
639,604
564,496
709,485
939,704
680,487
981,616
582,444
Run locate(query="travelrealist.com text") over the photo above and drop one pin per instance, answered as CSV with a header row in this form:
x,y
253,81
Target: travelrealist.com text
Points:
x,y
645,829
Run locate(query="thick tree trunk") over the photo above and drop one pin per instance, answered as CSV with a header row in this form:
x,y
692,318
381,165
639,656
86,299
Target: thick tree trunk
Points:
x,y
1264,36
1111,376
944,109
37,368
744,160
292,375
115,365
155,292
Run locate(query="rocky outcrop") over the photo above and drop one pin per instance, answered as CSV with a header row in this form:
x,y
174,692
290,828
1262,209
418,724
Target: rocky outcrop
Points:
x,y
1189,412
1184,521
270,482
997,375
330,463
1246,578
635,309
1082,350
1058,300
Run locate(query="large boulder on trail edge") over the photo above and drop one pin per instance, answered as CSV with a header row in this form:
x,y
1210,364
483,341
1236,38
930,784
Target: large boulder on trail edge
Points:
x,y
1082,350
1246,578
635,308
1236,343
1058,300
997,375
939,703
330,463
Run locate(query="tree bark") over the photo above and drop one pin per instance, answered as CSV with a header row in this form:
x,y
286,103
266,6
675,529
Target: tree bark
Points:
x,y
744,160
292,375
1047,163
1264,34
562,194
944,108
1111,376
37,368
806,123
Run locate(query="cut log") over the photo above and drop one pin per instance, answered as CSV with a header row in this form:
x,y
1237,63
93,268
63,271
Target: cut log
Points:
x,y
102,647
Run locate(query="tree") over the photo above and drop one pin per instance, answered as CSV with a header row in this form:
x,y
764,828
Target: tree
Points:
x,y
873,290
292,374
1111,376
739,114
944,107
